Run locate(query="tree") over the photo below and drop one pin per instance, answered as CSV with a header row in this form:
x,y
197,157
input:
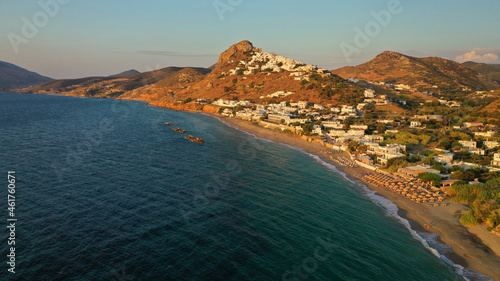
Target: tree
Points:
x,y
381,128
463,175
362,148
430,177
494,218
352,145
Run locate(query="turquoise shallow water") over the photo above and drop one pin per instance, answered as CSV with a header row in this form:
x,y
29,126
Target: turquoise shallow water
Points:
x,y
106,191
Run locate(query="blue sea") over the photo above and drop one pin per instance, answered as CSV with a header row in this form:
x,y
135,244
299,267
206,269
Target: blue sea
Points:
x,y
106,191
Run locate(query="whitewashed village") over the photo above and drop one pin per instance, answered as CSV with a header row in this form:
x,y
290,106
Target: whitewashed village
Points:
x,y
369,143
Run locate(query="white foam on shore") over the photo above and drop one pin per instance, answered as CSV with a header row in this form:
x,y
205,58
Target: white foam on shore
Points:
x,y
438,249
386,204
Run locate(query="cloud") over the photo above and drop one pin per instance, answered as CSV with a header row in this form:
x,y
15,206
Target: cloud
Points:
x,y
473,56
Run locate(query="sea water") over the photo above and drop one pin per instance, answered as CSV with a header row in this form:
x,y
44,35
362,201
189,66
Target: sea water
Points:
x,y
106,191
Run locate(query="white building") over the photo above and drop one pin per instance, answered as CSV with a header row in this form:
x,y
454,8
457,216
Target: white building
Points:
x,y
444,158
402,87
369,93
359,127
302,104
387,152
319,106
468,144
491,144
488,134
317,130
496,160
332,124
347,109
415,124
276,118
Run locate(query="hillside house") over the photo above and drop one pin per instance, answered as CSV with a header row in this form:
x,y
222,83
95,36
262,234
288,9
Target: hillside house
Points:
x,y
487,134
359,127
468,144
491,144
473,124
369,93
332,124
445,158
415,124
496,160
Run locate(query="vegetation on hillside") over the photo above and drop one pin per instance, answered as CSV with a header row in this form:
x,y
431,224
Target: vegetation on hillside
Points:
x,y
483,200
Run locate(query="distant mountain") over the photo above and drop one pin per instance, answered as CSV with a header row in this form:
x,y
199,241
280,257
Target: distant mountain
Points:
x,y
125,74
421,73
491,71
115,86
13,77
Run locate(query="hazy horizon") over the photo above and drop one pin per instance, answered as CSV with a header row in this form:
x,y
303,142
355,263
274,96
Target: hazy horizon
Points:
x,y
70,39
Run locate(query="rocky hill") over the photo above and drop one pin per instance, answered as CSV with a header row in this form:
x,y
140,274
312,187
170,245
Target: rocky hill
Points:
x,y
241,72
490,71
420,73
13,76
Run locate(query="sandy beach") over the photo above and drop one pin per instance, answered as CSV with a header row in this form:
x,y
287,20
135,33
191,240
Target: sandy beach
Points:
x,y
473,248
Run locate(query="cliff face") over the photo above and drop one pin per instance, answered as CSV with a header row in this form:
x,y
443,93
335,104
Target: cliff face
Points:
x,y
240,48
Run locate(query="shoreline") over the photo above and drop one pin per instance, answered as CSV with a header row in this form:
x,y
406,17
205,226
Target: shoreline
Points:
x,y
472,248
478,250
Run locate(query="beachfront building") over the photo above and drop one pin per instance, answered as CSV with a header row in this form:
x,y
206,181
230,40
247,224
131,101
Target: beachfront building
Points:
x,y
231,103
414,171
341,135
278,118
496,160
317,130
387,152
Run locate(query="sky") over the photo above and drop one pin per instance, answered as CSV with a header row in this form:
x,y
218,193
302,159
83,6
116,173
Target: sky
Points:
x,y
79,38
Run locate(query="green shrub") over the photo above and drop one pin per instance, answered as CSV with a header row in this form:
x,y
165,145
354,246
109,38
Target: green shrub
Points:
x,y
468,219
